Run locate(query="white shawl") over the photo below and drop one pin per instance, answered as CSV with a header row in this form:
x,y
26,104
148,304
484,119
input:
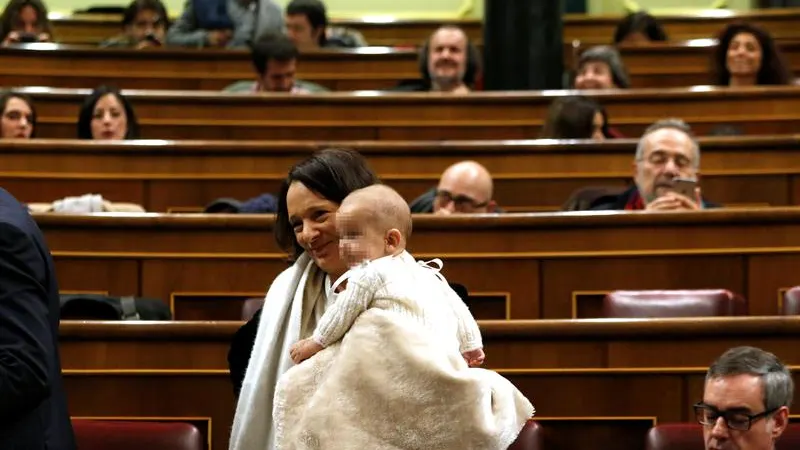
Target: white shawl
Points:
x,y
252,425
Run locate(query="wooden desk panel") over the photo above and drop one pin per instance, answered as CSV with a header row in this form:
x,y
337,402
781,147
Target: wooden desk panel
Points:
x,y
597,28
781,23
340,116
193,69
529,175
673,64
597,377
549,265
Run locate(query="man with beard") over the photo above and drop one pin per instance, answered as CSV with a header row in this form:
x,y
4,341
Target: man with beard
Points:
x,y
746,400
448,63
667,151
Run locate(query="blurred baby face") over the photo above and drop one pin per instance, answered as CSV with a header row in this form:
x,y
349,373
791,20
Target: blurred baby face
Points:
x,y
359,239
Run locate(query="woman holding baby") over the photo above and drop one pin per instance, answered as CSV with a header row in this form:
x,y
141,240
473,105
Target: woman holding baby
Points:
x,y
349,394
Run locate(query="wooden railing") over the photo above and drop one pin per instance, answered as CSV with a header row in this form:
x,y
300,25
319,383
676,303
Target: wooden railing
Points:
x,y
521,266
600,376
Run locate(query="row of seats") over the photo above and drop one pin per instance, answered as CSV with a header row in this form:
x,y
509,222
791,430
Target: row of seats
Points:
x,y
687,303
125,435
653,303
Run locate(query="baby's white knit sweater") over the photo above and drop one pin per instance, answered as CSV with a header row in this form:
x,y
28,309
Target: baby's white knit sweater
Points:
x,y
402,285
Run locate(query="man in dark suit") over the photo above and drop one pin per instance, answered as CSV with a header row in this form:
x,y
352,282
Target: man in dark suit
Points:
x,y
33,409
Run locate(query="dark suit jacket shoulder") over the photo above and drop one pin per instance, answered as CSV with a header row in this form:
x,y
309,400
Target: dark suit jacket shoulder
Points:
x,y
33,410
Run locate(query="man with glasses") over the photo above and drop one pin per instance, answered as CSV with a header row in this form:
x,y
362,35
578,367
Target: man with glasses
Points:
x,y
667,152
464,188
746,401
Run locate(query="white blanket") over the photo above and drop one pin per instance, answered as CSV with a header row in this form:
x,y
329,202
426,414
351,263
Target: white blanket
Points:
x,y
280,327
388,386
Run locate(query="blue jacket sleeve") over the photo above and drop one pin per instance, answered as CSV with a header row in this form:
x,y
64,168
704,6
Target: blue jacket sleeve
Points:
x,y
25,333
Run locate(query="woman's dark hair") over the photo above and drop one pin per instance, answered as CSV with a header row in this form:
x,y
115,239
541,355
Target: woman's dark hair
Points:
x,y
87,111
10,16
136,6
332,174
573,118
773,70
5,96
640,22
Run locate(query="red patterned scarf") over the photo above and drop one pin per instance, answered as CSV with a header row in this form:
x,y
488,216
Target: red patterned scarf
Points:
x,y
634,203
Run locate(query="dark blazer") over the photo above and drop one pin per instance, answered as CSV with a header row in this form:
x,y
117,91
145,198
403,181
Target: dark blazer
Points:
x,y
618,201
33,408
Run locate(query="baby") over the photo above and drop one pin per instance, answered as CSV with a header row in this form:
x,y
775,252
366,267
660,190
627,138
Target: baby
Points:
x,y
373,224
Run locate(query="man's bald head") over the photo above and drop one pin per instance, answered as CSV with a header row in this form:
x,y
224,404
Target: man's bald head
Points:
x,y
465,186
380,206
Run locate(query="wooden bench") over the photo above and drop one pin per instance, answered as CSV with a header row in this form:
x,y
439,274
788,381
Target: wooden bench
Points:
x,y
184,176
659,65
91,29
683,63
192,69
596,377
421,116
551,266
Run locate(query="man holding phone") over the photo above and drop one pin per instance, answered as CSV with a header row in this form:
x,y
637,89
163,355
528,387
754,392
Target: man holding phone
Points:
x,y
666,169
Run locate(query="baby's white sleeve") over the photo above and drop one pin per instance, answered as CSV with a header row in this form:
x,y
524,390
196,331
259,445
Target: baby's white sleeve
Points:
x,y
339,317
469,335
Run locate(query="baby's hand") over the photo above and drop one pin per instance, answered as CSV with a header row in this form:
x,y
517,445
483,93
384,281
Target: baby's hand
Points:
x,y
474,358
303,350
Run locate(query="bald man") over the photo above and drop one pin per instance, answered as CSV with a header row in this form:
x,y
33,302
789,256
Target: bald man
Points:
x,y
465,187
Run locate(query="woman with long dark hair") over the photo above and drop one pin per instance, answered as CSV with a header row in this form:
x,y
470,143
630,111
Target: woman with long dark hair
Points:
x,y
747,55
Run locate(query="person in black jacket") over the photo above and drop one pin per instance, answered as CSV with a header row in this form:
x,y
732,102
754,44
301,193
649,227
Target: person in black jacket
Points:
x,y
33,409
667,151
465,187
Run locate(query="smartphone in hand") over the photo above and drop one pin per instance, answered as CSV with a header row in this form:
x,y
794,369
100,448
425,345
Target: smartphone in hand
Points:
x,y
685,187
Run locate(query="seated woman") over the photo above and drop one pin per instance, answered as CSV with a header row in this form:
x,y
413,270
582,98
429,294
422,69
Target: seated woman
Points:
x,y
601,67
144,24
25,21
577,117
639,28
746,55
225,23
19,117
107,114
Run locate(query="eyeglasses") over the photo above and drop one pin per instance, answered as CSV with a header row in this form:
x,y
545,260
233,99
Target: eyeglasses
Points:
x,y
735,420
462,203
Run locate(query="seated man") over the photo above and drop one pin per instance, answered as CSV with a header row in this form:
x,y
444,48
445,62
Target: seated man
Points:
x,y
448,63
275,62
601,68
666,152
465,187
746,400
307,26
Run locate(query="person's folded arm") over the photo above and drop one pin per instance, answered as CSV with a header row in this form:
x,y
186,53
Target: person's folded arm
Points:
x,y
244,32
25,334
184,31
